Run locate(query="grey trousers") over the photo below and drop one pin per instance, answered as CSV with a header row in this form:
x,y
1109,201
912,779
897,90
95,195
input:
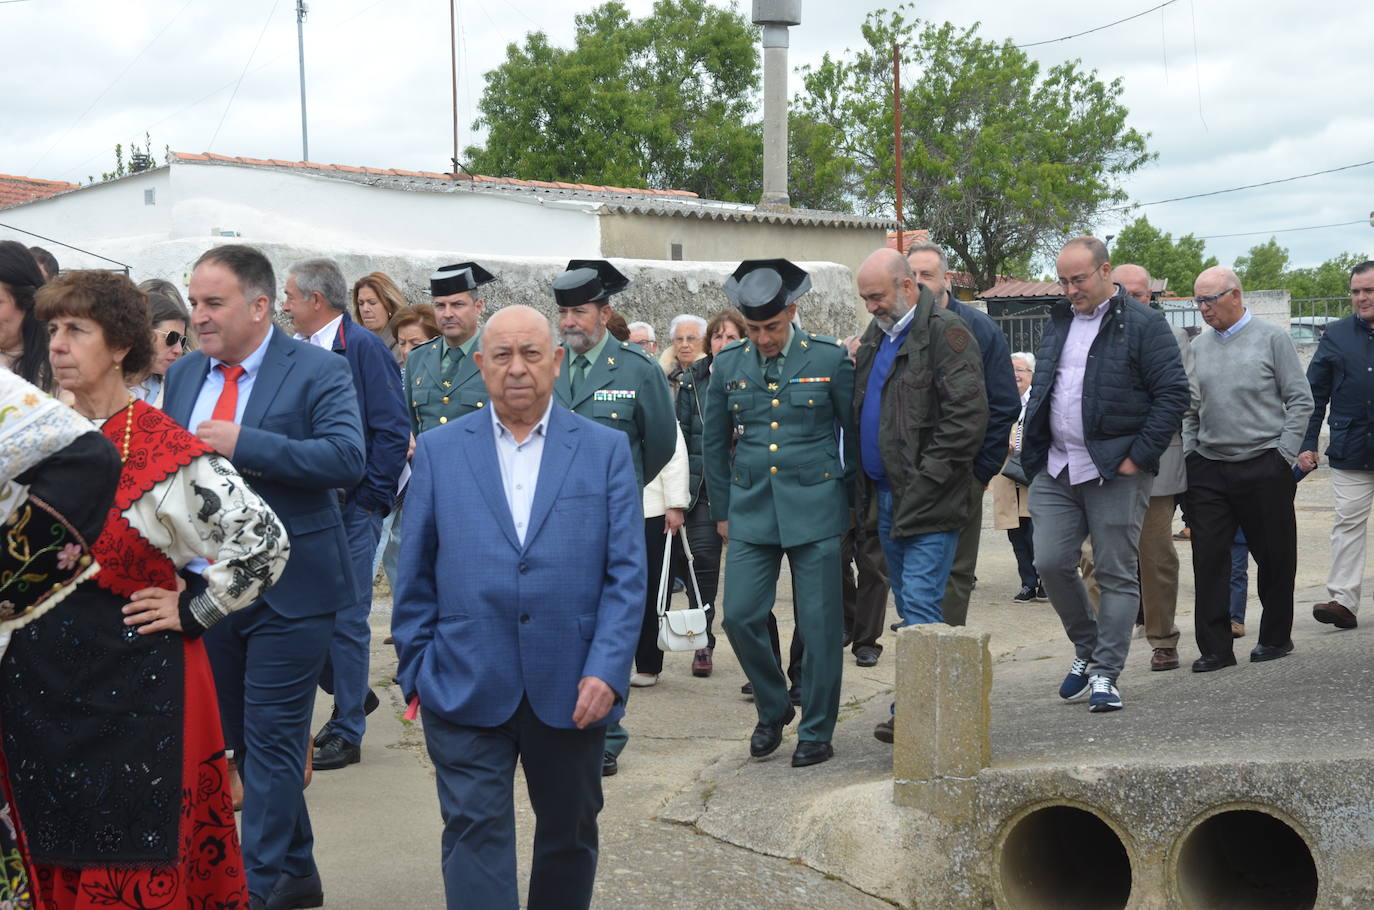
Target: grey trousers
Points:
x,y
954,606
1112,512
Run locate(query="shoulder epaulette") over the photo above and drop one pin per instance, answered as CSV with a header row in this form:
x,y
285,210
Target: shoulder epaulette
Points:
x,y
824,339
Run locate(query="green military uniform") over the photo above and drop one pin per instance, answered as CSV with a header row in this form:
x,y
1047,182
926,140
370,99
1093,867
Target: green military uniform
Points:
x,y
442,383
786,491
618,385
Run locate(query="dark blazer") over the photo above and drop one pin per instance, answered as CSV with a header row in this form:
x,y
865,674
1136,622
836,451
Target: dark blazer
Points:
x,y
481,620
300,440
1004,401
1342,374
385,419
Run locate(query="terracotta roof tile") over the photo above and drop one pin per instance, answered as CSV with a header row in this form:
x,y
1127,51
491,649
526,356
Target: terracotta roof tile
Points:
x,y
15,189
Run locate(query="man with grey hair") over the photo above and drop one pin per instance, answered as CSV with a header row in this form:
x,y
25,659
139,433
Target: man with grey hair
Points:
x,y
317,302
642,334
1242,435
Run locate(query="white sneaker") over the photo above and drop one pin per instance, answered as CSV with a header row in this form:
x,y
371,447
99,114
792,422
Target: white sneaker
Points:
x,y
643,680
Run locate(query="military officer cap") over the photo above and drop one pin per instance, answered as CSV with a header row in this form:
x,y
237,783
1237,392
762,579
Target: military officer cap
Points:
x,y
455,279
588,281
762,288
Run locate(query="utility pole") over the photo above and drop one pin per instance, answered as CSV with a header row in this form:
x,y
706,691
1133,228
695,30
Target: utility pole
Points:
x,y
453,67
301,10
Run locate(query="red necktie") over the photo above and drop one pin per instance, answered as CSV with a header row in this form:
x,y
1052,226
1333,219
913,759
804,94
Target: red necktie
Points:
x,y
226,408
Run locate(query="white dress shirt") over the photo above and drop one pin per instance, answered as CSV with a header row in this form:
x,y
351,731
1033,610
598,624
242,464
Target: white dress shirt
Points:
x,y
324,338
520,467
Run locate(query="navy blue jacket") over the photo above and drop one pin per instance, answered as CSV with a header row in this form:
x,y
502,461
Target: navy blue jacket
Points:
x,y
1004,401
1342,373
382,405
1134,389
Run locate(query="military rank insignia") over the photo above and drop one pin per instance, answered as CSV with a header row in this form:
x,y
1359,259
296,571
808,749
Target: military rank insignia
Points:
x,y
737,385
796,379
613,395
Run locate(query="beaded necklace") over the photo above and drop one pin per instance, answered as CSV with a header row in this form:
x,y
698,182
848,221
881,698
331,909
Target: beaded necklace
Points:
x,y
128,429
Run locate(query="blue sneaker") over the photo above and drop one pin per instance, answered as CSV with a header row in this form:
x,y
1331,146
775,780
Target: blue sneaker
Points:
x,y
1075,685
1105,697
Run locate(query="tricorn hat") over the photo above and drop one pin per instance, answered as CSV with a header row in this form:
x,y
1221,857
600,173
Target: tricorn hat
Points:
x,y
587,281
762,288
455,279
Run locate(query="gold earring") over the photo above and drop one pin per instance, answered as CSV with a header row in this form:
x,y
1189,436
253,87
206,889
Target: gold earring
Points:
x,y
117,367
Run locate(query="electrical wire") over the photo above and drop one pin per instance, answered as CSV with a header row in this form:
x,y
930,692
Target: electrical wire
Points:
x,y
1314,227
1237,189
1100,27
266,22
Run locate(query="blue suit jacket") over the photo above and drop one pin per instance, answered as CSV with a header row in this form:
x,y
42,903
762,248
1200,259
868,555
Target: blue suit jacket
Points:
x,y
480,620
300,440
386,422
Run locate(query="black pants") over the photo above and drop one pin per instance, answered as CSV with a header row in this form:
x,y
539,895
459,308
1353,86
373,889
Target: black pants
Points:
x,y
648,658
1257,495
865,596
1021,545
700,529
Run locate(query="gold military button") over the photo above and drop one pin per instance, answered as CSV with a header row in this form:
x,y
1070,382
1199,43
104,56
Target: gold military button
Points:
x,y
810,401
615,416
827,475
773,469
773,447
480,403
737,406
443,420
415,404
773,425
775,402
444,399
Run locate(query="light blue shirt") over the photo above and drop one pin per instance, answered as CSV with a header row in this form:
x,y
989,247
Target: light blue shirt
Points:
x,y
214,384
520,467
1240,324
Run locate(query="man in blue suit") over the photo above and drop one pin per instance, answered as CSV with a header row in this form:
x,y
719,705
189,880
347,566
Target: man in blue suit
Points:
x,y
317,301
520,595
286,415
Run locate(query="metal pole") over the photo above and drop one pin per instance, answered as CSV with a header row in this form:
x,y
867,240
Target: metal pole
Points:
x,y
897,129
453,65
300,42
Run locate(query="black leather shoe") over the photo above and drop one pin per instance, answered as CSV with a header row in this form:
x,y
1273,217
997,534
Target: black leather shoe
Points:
x,y
370,704
767,737
335,753
866,656
1270,652
747,689
811,753
291,893
1209,662
609,765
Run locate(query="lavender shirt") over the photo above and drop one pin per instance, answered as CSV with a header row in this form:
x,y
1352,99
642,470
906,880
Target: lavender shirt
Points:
x,y
1067,446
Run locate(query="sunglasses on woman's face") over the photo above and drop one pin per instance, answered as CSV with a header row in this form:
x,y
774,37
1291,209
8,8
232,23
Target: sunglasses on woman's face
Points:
x,y
174,339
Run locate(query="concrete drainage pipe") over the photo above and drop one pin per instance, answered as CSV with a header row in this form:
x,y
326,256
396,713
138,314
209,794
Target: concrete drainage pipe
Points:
x,y
1061,857
1247,858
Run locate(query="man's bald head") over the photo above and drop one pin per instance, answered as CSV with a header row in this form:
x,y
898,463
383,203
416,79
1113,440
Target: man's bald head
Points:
x,y
887,286
1135,279
1219,298
519,361
887,262
1215,280
521,314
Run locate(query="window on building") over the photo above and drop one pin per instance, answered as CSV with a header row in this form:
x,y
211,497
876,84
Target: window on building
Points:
x,y
675,252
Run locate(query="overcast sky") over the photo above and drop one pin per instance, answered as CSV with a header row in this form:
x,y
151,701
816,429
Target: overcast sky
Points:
x,y
1274,89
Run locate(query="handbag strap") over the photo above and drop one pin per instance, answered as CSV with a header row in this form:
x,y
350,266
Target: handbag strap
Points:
x,y
663,575
691,566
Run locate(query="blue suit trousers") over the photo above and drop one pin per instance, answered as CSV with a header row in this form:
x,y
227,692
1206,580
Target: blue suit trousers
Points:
x,y
345,670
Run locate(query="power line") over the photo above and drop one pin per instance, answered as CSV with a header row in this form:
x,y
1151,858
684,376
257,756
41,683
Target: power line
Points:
x,y
1237,189
1100,27
1314,227
246,64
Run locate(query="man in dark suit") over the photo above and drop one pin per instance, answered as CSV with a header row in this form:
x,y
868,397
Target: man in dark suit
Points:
x,y
317,302
286,415
442,382
520,590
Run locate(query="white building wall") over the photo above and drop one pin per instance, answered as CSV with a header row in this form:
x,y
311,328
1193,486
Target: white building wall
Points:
x,y
111,219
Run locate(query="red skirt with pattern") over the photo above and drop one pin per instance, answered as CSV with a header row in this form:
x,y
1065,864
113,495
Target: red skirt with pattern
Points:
x,y
209,875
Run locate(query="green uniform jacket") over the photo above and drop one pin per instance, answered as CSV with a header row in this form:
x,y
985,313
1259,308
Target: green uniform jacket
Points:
x,y
626,390
933,419
431,402
788,484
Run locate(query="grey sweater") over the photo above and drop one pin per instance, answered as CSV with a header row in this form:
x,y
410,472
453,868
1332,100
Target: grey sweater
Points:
x,y
1249,394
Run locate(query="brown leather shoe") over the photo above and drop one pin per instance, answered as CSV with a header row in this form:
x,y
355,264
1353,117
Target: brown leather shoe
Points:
x,y
1164,659
701,662
1237,629
1334,614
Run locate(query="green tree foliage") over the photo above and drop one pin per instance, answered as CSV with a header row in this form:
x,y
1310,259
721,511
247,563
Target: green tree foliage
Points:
x,y
1179,261
1321,289
1263,268
665,101
1002,162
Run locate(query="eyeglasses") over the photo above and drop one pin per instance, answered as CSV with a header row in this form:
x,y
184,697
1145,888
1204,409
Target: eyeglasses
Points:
x,y
1077,281
1210,300
174,339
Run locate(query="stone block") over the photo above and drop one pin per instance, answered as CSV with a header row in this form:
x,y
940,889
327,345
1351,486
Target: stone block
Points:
x,y
944,680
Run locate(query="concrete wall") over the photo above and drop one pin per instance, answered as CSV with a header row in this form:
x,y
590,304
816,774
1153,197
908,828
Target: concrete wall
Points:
x,y
107,218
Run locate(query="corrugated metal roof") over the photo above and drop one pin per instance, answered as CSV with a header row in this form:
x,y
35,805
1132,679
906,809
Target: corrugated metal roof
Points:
x,y
1015,288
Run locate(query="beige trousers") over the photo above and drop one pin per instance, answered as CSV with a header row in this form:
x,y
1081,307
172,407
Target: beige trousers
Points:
x,y
1353,492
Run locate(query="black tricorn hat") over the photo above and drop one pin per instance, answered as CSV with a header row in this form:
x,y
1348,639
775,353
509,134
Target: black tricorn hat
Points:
x,y
455,279
762,288
587,281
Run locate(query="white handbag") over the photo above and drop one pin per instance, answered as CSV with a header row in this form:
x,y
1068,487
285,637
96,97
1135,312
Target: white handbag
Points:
x,y
679,630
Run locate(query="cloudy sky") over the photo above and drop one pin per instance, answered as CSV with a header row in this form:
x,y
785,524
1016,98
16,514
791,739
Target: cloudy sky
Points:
x,y
1233,92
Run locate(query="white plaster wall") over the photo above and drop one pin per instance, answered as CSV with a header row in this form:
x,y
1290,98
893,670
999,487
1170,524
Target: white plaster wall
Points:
x,y
106,218
283,206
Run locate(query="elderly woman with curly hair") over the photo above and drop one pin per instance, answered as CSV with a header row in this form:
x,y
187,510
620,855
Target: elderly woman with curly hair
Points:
x,y
112,736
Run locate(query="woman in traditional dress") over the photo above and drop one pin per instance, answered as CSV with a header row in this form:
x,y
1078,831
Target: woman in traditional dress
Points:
x,y
111,729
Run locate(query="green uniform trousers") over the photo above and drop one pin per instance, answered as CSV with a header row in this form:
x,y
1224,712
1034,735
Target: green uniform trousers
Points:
x,y
751,584
617,736
959,588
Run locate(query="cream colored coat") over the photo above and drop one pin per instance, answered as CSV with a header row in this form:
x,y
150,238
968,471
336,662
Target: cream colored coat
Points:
x,y
1010,500
671,488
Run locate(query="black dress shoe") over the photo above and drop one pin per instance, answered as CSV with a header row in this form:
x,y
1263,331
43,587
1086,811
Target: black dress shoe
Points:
x,y
608,765
767,737
747,689
292,893
370,704
335,753
1270,652
866,656
1209,662
811,753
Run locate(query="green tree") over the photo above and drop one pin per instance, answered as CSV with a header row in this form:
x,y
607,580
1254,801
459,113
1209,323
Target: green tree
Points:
x,y
1179,261
1263,268
1330,279
665,101
1002,162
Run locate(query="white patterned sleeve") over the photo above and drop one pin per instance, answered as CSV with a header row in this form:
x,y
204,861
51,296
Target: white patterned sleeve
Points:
x,y
212,513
